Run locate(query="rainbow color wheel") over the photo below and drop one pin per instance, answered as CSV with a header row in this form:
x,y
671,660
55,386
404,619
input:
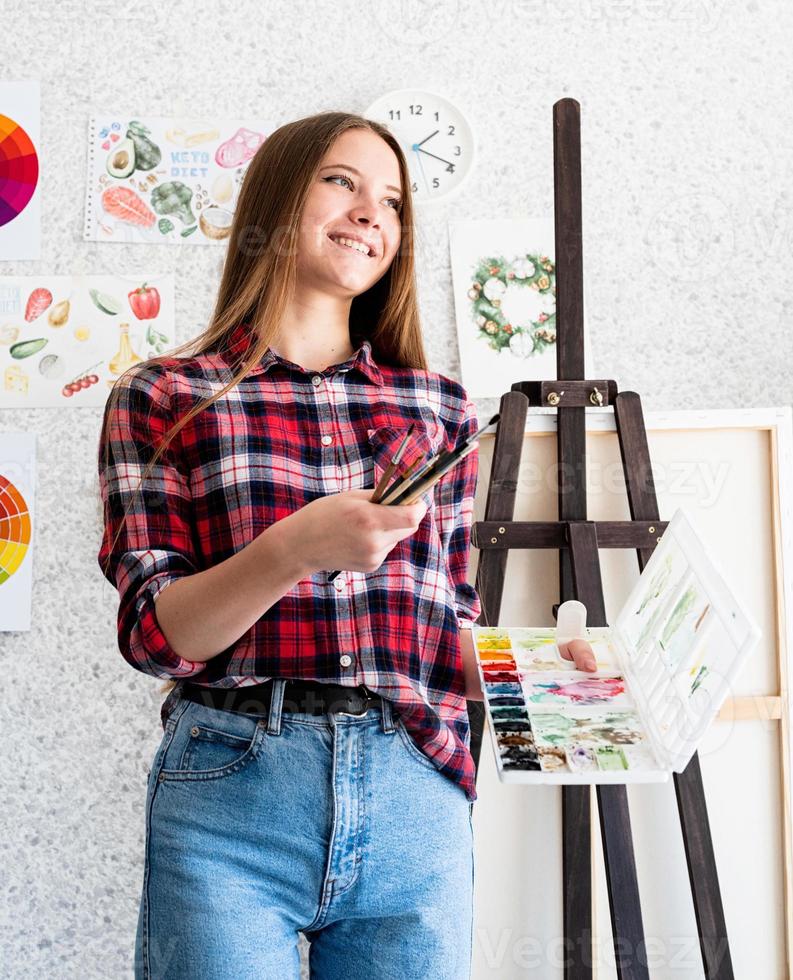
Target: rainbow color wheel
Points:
x,y
14,529
19,169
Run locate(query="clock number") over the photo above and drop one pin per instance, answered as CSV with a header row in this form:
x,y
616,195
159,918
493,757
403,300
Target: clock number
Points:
x,y
437,117
451,131
414,186
450,168
395,113
435,182
416,110
457,151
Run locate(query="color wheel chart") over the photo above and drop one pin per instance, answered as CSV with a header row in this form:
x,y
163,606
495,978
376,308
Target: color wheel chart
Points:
x,y
14,529
19,169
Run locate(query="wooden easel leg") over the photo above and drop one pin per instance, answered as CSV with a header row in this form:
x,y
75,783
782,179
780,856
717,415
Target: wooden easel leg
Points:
x,y
577,881
692,806
615,824
499,506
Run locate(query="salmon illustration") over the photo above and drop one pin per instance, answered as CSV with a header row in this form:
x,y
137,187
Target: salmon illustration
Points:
x,y
125,205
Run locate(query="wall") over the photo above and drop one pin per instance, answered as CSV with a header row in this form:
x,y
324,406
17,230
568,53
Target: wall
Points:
x,y
686,154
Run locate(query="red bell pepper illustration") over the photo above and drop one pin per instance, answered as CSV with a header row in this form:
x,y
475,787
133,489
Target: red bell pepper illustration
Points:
x,y
144,302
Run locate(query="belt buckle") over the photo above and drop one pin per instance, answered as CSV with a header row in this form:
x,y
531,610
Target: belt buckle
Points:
x,y
365,705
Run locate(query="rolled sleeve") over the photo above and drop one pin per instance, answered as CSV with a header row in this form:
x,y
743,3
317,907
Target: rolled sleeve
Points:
x,y
455,493
154,546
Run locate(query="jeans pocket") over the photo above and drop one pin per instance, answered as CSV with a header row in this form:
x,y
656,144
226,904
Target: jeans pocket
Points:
x,y
212,744
412,748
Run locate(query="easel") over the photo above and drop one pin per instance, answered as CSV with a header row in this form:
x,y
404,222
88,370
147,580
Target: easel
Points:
x,y
578,541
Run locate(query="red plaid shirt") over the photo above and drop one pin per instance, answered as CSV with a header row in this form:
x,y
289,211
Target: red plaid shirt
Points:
x,y
283,437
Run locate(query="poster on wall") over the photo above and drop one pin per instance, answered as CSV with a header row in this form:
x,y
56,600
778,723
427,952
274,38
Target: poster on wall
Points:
x,y
17,484
504,279
20,223
64,340
166,181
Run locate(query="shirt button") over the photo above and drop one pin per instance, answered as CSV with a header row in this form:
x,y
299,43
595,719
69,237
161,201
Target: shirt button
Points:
x,y
345,660
338,584
327,440
316,380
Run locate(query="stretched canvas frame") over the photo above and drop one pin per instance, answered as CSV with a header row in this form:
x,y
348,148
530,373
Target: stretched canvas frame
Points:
x,y
753,447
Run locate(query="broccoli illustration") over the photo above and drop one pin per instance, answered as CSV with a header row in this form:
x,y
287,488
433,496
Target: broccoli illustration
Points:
x,y
174,198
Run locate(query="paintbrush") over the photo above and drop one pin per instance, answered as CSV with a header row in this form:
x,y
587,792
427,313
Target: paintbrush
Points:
x,y
445,461
392,465
382,483
437,467
418,468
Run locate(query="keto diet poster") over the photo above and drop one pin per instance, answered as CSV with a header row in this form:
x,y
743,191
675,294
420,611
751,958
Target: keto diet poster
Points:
x,y
64,340
17,485
20,194
166,181
504,280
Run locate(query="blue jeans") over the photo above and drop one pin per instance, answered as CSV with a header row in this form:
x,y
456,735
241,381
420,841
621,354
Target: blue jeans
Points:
x,y
333,825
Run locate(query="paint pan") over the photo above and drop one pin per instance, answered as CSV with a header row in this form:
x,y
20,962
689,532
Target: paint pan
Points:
x,y
511,725
580,758
515,738
610,758
503,688
552,760
501,675
517,711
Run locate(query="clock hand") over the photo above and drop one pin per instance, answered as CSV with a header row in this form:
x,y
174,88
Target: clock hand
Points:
x,y
416,145
421,168
427,152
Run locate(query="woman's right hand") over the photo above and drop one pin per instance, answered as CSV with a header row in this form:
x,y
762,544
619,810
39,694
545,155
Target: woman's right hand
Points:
x,y
347,531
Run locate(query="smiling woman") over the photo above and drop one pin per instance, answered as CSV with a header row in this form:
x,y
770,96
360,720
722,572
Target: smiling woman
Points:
x,y
223,514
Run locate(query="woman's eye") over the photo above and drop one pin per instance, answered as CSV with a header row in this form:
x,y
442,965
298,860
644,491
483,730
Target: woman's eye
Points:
x,y
397,201
340,177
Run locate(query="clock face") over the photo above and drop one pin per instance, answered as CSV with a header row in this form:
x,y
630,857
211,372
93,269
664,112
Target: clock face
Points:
x,y
435,136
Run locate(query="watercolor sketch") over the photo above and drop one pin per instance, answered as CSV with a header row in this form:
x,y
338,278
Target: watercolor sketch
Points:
x,y
504,278
64,340
20,169
166,181
17,524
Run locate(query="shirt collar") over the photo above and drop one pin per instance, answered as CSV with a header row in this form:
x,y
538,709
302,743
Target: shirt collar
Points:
x,y
361,359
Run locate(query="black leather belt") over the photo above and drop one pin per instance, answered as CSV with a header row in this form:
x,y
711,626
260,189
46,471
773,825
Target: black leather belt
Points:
x,y
311,697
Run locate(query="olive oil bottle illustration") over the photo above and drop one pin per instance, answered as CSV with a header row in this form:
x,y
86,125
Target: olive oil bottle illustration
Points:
x,y
125,356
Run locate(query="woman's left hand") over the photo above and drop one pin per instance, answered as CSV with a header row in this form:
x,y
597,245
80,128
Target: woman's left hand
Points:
x,y
580,652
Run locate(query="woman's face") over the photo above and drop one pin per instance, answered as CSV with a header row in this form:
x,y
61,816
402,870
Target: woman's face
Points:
x,y
356,194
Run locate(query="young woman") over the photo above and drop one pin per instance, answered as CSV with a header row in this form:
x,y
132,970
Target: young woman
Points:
x,y
314,773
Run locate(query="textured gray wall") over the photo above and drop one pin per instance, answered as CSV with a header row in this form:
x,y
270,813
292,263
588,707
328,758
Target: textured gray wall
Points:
x,y
686,125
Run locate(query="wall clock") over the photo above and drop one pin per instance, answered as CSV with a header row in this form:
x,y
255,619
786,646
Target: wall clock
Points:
x,y
436,138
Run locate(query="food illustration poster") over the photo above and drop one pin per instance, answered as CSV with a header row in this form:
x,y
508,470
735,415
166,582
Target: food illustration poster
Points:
x,y
17,485
64,340
504,280
169,181
20,223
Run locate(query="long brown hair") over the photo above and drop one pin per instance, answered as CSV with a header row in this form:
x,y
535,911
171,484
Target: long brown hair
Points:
x,y
258,276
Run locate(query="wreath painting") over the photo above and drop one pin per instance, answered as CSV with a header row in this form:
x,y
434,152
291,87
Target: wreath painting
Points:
x,y
504,277
513,303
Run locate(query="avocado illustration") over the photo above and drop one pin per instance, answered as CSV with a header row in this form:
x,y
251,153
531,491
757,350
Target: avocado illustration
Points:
x,y
121,159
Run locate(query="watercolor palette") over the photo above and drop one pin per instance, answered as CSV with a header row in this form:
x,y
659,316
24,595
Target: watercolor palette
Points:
x,y
664,670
